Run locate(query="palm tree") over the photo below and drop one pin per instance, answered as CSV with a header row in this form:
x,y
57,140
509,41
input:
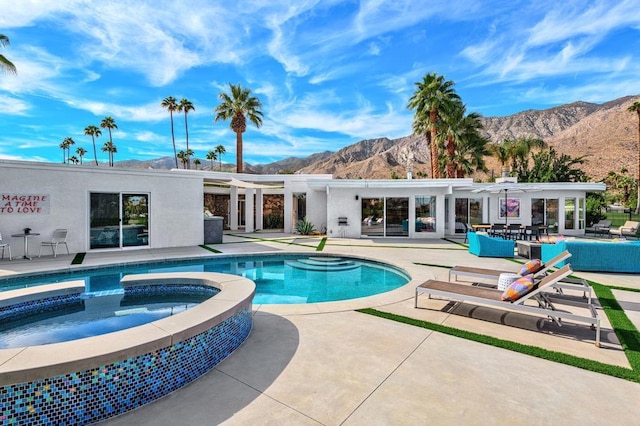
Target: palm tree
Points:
x,y
211,156
171,105
237,107
186,106
5,64
220,150
465,147
73,160
183,158
110,149
94,132
635,107
63,146
431,95
501,152
109,123
196,163
81,153
66,148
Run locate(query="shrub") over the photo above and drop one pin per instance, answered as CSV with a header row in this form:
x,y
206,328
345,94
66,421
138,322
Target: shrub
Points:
x,y
304,227
594,204
273,221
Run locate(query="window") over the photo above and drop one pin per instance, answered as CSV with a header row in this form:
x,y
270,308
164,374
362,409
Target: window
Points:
x,y
425,214
544,211
118,220
468,210
569,213
385,217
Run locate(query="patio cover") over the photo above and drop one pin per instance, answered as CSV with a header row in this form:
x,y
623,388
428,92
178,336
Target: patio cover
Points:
x,y
241,184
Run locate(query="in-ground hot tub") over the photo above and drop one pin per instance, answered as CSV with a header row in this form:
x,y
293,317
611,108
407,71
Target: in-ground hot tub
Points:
x,y
94,378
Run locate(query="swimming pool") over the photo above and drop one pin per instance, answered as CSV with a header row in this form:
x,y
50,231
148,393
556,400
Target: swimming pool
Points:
x,y
280,279
107,312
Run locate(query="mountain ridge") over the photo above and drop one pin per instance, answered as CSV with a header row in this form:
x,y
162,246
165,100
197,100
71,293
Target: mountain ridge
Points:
x,y
606,134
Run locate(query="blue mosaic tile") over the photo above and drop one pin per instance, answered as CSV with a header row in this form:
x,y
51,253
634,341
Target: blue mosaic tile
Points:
x,y
48,304
92,395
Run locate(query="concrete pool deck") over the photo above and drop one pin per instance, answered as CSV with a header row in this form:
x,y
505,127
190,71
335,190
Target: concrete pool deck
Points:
x,y
327,364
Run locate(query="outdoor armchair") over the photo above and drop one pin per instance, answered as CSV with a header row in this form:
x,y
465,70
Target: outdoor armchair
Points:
x,y
602,227
629,229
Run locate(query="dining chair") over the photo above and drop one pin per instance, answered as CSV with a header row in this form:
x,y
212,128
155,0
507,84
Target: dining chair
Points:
x,y
497,230
5,246
59,237
513,231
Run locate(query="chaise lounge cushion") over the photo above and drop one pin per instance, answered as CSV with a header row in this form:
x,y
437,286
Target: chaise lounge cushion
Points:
x,y
531,267
518,288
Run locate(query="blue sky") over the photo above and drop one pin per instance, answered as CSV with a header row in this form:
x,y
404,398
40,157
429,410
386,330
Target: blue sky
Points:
x,y
329,73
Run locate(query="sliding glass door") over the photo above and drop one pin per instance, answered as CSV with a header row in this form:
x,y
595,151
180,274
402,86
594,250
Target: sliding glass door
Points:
x,y
385,217
118,220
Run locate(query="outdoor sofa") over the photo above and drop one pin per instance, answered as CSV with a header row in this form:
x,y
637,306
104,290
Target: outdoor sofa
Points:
x,y
598,256
483,245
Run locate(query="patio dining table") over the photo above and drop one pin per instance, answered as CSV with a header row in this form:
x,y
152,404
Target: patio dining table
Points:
x,y
26,242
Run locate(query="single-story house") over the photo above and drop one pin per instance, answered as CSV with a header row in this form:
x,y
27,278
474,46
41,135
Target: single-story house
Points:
x,y
115,208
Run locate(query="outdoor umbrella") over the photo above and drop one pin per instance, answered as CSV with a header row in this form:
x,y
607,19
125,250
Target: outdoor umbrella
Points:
x,y
507,188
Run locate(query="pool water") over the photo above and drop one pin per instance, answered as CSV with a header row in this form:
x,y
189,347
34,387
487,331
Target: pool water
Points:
x,y
100,314
280,279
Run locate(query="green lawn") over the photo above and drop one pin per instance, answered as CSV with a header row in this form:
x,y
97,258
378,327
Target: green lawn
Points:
x,y
619,218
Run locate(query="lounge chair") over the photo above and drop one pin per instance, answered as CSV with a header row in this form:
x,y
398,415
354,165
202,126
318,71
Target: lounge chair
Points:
x,y
492,275
629,229
492,298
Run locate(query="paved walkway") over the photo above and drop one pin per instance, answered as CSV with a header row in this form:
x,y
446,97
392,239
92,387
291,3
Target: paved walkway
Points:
x,y
327,364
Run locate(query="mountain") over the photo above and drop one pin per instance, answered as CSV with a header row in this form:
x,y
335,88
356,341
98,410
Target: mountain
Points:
x,y
605,133
288,165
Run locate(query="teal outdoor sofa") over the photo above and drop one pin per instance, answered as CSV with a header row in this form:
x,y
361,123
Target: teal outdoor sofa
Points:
x,y
483,245
598,256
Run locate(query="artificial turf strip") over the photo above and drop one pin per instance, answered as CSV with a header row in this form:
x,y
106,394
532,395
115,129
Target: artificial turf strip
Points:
x,y
272,240
323,241
78,259
574,361
625,330
210,248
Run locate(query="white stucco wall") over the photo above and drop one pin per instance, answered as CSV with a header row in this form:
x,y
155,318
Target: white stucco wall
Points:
x,y
175,202
342,202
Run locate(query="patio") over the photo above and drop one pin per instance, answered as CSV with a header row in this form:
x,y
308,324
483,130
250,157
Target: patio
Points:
x,y
328,364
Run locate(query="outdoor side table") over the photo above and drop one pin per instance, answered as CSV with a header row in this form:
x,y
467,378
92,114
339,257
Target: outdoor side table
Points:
x,y
506,279
26,242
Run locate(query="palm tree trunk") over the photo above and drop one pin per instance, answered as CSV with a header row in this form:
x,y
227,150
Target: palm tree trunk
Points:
x,y
173,139
239,152
638,200
451,152
95,153
186,130
435,172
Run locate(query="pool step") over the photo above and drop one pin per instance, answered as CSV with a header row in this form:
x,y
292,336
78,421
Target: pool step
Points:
x,y
326,264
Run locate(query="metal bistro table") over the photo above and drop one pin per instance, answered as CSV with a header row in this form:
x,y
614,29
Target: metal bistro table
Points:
x,y
26,242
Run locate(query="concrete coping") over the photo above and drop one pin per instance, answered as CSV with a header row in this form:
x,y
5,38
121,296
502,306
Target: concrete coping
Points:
x,y
31,363
31,294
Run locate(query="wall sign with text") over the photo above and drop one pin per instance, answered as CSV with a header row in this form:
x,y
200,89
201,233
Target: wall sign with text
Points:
x,y
20,204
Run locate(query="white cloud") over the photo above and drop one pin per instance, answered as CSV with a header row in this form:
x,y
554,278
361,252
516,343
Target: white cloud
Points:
x,y
13,106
